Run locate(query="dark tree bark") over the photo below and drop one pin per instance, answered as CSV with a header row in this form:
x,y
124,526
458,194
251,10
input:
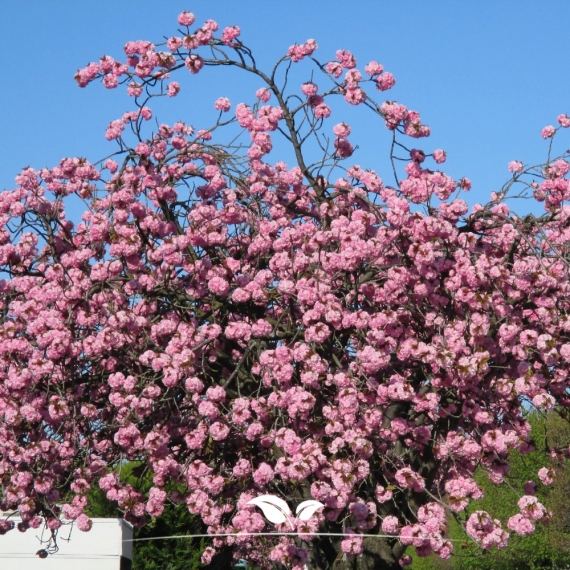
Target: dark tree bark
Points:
x,y
379,554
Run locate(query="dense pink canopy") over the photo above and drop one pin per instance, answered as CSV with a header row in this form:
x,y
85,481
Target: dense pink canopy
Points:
x,y
239,326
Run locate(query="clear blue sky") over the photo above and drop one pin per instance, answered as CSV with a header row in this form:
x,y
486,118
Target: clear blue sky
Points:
x,y
485,75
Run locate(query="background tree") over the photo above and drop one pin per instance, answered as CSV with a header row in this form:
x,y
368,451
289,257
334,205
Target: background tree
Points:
x,y
548,546
154,554
240,327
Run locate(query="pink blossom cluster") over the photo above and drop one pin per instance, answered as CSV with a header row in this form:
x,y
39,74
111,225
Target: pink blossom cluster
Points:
x,y
530,510
488,531
298,52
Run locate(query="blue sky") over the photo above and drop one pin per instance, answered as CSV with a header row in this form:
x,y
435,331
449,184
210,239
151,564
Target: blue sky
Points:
x,y
486,76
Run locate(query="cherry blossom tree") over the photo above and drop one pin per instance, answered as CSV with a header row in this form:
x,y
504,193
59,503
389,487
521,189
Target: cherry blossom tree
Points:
x,y
238,326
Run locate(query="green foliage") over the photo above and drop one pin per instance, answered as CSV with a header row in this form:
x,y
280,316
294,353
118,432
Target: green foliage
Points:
x,y
169,554
541,550
431,562
98,506
549,546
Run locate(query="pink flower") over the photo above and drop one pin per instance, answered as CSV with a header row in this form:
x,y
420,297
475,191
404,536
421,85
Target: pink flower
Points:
x,y
208,410
174,43
417,155
355,96
334,68
194,63
343,147
211,25
134,89
390,525
414,534
295,52
521,525
347,60
372,360
322,111
106,64
374,68
439,156
143,149
515,166
230,34
114,130
352,545
548,132
544,401
219,286
298,52
393,114
341,130
383,495
408,479
309,46
263,94
353,77
208,555
528,337
86,75
263,474
290,555
242,468
385,81
317,333
261,328
186,18
222,104
84,523
564,120
110,81
155,504
111,165
309,89
173,88
546,475
216,394
531,507
488,531
219,431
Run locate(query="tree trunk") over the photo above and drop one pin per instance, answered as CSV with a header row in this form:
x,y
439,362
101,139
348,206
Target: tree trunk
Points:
x,y
325,554
379,554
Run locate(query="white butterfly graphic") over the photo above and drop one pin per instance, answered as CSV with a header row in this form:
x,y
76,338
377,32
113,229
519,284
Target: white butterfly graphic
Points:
x,y
277,511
